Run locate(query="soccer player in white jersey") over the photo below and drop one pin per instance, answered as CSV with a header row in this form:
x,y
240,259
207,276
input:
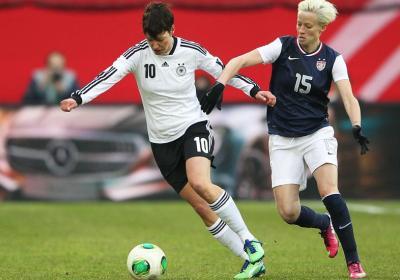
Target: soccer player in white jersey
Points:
x,y
303,69
180,134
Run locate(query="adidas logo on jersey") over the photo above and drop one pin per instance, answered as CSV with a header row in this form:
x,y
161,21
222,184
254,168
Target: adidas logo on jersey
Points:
x,y
165,64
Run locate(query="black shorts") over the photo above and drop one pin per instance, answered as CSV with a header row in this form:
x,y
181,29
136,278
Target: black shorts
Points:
x,y
171,157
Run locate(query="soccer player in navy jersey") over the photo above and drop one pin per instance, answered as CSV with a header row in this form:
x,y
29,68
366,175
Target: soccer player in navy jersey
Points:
x,y
303,69
180,133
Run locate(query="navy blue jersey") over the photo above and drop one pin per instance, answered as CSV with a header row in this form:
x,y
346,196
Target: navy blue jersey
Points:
x,y
301,83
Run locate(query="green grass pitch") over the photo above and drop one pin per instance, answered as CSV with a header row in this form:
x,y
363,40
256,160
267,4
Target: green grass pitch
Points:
x,y
91,241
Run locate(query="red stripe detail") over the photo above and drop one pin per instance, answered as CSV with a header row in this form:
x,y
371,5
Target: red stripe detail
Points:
x,y
392,93
373,54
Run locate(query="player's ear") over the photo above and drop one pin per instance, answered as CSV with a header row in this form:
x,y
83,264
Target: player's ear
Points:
x,y
172,29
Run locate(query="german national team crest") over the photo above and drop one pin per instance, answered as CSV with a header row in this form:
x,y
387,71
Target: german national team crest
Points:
x,y
181,70
321,64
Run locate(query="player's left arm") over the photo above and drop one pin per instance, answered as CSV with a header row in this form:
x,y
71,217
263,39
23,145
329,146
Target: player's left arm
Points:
x,y
350,103
214,66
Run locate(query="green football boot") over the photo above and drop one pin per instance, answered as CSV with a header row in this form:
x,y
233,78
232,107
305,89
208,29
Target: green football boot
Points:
x,y
254,250
251,270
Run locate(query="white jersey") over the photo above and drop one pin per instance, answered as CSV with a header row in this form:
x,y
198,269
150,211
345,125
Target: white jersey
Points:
x,y
166,84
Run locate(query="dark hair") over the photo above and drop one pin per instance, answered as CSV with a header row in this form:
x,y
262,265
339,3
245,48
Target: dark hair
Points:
x,y
157,18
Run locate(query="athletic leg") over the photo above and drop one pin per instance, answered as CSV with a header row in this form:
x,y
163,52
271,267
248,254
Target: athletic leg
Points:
x,y
289,208
219,229
198,148
171,161
198,173
326,177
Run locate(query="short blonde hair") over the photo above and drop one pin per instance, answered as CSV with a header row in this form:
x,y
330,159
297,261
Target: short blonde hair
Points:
x,y
325,11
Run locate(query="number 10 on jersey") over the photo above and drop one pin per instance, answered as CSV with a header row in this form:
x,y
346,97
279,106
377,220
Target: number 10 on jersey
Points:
x,y
201,144
150,71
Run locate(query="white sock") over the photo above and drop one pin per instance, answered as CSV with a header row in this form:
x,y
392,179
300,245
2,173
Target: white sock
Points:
x,y
227,210
228,238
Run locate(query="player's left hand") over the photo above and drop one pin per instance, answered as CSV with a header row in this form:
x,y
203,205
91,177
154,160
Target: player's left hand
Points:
x,y
212,98
266,97
361,139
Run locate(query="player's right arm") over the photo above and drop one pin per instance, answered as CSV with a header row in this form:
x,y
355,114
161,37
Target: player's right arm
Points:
x,y
266,54
67,105
235,64
105,80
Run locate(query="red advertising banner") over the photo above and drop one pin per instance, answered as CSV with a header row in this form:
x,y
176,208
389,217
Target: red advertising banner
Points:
x,y
343,5
92,40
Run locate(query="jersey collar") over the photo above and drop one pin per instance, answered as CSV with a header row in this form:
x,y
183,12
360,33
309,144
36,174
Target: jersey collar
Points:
x,y
174,46
306,53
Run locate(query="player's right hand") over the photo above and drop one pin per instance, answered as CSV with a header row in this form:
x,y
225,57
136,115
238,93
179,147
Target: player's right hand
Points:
x,y
212,97
267,97
68,104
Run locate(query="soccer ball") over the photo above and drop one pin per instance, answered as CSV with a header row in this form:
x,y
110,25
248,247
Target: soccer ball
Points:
x,y
146,261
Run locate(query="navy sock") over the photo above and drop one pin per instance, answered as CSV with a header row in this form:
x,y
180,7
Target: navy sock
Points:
x,y
310,219
341,222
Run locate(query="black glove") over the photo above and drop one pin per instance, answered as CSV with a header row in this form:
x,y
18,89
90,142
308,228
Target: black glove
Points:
x,y
212,98
360,138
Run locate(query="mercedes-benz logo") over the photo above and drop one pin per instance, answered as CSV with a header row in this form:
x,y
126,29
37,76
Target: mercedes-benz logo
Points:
x,y
62,157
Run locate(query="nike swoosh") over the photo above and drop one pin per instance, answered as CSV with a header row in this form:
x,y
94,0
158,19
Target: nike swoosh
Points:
x,y
342,227
293,58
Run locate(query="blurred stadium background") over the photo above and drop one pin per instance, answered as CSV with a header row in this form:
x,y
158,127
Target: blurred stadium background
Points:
x,y
101,151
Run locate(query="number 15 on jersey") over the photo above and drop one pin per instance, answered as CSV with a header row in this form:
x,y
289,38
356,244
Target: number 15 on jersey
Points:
x,y
303,84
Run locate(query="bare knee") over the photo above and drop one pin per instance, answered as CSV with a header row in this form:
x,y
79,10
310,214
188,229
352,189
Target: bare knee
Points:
x,y
203,188
289,213
288,202
327,189
327,179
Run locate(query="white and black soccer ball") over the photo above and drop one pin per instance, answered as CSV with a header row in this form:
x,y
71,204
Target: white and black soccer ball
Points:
x,y
146,261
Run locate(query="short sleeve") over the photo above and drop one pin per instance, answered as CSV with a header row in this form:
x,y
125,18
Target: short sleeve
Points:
x,y
270,53
339,69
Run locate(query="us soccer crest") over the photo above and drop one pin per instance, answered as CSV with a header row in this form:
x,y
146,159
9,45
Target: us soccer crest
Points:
x,y
181,70
321,64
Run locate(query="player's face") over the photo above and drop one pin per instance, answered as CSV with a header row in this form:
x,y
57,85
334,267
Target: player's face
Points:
x,y
162,44
308,29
